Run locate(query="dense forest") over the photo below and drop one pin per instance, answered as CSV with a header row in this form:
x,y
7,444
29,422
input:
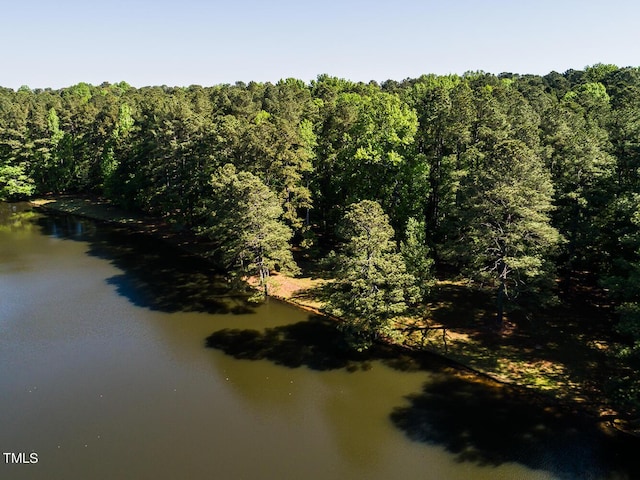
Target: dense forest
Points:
x,y
521,183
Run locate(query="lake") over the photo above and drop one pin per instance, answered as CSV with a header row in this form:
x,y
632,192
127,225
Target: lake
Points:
x,y
122,357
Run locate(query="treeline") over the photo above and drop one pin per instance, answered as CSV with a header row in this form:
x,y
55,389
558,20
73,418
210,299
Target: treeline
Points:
x,y
512,180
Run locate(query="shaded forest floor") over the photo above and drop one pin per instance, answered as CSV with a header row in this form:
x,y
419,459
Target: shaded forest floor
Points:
x,y
565,353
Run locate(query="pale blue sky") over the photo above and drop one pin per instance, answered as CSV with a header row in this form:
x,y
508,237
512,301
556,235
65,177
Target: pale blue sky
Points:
x,y
155,42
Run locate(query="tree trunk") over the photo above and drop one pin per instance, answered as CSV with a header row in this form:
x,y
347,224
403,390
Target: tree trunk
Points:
x,y
500,304
264,274
502,293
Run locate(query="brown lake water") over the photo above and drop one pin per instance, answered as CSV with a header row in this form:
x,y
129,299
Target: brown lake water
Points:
x,y
122,358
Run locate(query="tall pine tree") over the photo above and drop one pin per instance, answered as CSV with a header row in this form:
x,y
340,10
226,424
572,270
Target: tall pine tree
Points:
x,y
372,285
506,238
245,222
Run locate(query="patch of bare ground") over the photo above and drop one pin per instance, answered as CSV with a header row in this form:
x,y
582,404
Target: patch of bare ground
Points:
x,y
298,291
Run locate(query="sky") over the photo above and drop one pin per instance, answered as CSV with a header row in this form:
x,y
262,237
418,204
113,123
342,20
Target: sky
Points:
x,y
59,43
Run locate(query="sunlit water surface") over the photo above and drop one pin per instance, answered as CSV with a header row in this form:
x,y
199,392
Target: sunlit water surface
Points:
x,y
123,358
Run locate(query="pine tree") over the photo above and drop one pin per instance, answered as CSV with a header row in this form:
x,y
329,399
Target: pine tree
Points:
x,y
372,285
245,222
417,256
506,235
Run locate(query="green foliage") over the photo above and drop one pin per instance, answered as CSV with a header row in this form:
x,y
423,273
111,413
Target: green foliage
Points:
x,y
599,71
244,220
445,112
582,170
506,238
15,184
372,285
363,148
417,256
626,387
53,124
273,138
630,324
486,173
110,162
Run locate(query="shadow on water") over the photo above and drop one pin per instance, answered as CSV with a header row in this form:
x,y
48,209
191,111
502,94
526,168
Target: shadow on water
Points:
x,y
155,275
491,425
315,344
479,422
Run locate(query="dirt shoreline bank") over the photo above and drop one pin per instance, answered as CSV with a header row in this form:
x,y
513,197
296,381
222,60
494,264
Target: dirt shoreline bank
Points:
x,y
288,290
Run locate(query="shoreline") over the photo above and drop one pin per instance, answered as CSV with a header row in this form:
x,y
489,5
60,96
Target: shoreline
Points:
x,y
99,209
285,290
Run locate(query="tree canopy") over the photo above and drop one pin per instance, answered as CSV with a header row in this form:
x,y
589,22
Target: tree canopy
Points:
x,y
510,180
